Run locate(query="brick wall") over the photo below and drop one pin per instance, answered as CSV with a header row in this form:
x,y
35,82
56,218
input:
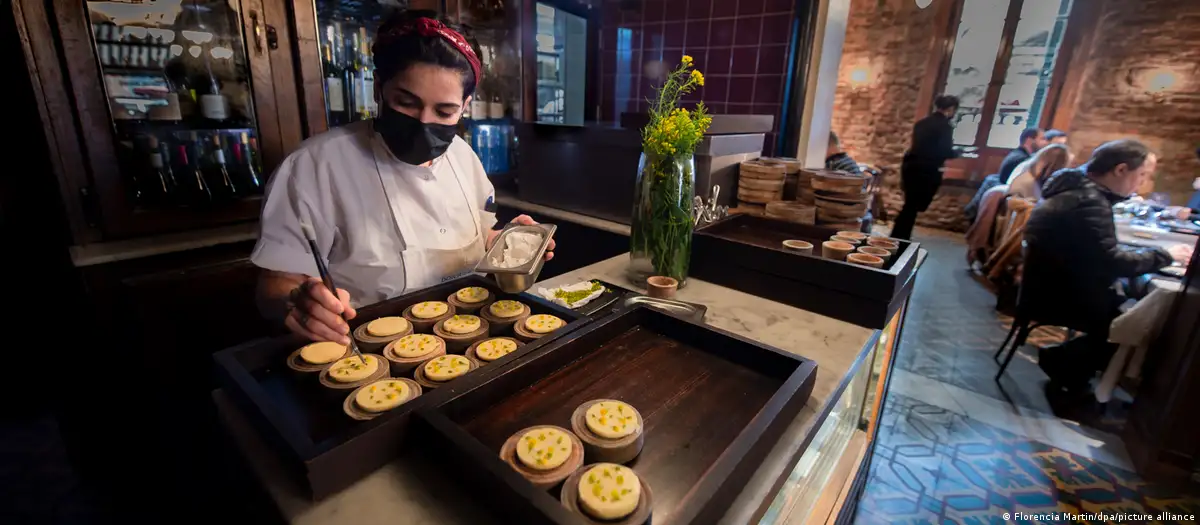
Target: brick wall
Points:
x,y
741,46
893,39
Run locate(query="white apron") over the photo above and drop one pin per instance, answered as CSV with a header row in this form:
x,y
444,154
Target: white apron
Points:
x,y
426,266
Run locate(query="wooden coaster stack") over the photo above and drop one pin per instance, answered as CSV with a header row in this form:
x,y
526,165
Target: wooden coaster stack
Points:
x,y
841,198
792,211
791,169
804,189
760,182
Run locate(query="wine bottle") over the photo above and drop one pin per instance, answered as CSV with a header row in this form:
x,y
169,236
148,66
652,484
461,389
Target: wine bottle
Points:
x,y
358,69
213,105
245,161
335,92
200,191
220,171
368,68
156,190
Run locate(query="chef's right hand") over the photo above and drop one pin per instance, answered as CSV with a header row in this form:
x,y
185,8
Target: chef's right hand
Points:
x,y
316,313
1182,253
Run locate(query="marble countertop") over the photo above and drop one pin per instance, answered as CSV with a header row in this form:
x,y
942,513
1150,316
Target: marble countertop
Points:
x,y
397,493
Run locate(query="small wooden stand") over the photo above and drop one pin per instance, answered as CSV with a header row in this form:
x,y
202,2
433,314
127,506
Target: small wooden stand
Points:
x,y
604,450
340,389
543,479
468,308
374,343
458,343
570,499
353,410
526,335
402,366
297,364
429,384
425,326
503,325
472,355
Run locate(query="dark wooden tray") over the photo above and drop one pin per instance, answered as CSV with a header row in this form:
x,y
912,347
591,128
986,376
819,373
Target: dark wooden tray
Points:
x,y
745,253
325,449
713,404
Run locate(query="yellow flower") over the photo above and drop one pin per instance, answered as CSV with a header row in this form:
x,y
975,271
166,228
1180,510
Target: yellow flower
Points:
x,y
697,77
687,60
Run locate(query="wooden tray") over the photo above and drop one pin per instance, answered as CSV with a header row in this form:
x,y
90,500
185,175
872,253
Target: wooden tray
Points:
x,y
324,449
746,253
713,404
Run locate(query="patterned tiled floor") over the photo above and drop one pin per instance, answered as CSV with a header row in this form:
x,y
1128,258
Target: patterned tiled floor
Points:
x,y
956,447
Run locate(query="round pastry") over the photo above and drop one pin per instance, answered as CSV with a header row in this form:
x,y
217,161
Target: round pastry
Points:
x,y
544,454
425,315
315,357
370,400
544,448
406,353
351,372
536,326
469,300
488,350
503,315
439,370
373,336
607,493
459,331
611,430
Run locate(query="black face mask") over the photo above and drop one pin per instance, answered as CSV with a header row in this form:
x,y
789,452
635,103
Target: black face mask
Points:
x,y
411,140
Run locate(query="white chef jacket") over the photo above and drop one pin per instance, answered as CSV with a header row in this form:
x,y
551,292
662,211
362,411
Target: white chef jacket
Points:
x,y
385,227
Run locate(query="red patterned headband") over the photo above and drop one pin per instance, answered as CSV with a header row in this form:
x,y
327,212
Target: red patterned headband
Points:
x,y
430,27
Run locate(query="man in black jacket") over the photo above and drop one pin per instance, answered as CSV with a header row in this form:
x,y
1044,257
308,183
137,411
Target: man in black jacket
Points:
x,y
1032,140
1073,257
921,169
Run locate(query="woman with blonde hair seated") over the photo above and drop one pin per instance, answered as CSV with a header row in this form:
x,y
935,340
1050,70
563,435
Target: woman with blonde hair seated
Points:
x,y
1027,179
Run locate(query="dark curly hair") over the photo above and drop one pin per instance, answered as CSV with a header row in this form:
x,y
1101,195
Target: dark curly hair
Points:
x,y
395,52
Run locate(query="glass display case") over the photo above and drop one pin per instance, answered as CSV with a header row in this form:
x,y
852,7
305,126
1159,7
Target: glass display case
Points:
x,y
177,83
561,58
346,30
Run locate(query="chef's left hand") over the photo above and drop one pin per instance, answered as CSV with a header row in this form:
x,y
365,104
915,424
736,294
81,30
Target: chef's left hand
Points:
x,y
523,220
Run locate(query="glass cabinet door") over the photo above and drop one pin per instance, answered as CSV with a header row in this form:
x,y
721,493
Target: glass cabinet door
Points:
x,y
346,30
177,82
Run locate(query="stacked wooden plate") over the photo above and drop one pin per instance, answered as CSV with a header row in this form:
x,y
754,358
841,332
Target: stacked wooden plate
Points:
x,y
760,182
804,189
791,169
792,211
841,198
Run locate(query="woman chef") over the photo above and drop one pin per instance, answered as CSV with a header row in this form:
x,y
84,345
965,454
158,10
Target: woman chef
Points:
x,y
398,203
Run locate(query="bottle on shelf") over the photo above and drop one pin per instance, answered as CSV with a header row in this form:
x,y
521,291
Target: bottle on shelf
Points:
x,y
335,88
191,157
159,186
357,77
245,165
368,74
226,188
213,104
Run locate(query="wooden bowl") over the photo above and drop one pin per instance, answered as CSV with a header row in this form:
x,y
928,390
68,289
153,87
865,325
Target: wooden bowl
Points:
x,y
528,336
503,325
458,343
542,479
402,366
375,343
341,389
429,384
351,409
603,450
469,308
425,326
570,499
471,354
297,364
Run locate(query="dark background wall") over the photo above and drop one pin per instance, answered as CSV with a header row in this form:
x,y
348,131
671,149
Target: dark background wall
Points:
x,y
741,46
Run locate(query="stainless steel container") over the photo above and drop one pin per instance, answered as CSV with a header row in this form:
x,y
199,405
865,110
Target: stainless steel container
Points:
x,y
520,278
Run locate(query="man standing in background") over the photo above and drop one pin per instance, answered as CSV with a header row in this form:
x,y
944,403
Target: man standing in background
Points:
x,y
837,159
1032,140
921,169
1056,136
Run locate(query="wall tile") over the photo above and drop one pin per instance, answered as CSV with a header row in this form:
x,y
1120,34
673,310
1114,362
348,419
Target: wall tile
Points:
x,y
748,32
750,7
741,90
697,34
721,33
772,59
612,15
648,56
609,62
776,29
715,90
779,6
608,37
715,109
652,36
745,61
724,8
739,109
653,11
769,144
673,34
700,8
676,9
767,89
717,62
767,109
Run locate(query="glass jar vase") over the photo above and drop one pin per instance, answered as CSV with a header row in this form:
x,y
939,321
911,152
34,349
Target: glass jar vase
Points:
x,y
660,240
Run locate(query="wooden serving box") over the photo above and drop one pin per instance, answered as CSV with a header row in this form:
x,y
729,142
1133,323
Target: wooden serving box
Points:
x,y
324,449
713,404
746,253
